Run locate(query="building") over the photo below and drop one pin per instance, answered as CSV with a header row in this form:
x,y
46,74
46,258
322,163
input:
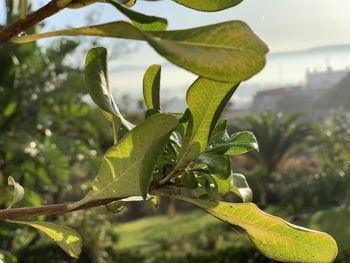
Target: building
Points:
x,y
299,98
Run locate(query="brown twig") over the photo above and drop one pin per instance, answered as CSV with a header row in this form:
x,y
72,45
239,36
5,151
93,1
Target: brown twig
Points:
x,y
23,24
15,213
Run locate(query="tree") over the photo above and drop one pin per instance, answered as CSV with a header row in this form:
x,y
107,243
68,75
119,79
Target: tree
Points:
x,y
182,156
280,136
333,156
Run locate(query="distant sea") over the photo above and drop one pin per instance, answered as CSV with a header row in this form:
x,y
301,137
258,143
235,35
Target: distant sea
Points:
x,y
283,69
286,69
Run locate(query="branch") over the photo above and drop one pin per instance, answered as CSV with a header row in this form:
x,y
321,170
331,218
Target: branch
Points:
x,y
23,24
15,213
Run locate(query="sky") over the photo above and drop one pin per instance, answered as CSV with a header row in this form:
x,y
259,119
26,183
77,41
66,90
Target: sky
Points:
x,y
285,25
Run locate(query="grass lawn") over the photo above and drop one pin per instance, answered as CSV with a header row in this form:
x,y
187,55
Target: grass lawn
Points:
x,y
149,231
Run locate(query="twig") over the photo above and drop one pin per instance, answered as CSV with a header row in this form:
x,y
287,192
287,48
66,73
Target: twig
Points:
x,y
15,213
23,24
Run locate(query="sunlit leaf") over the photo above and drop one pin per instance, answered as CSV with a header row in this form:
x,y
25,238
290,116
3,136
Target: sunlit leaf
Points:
x,y
274,237
83,3
209,5
141,21
127,167
151,87
128,3
18,191
96,80
67,238
206,99
241,188
229,51
238,143
219,134
222,185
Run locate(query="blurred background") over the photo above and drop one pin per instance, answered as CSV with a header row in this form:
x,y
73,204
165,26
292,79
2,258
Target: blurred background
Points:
x,y
52,137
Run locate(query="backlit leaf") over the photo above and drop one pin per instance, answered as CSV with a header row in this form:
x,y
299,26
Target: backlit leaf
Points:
x,y
238,143
67,238
241,188
229,51
206,99
96,80
151,87
219,134
141,21
208,5
127,167
83,3
274,237
18,191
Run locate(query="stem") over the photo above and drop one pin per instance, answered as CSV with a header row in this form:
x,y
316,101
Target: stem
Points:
x,y
23,24
15,213
167,178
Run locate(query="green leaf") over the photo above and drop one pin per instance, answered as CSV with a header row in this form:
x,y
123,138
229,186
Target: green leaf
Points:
x,y
217,164
67,238
238,143
189,180
219,134
218,170
229,52
128,3
222,185
18,191
209,5
141,21
151,87
274,237
206,100
96,80
116,207
82,3
241,188
127,167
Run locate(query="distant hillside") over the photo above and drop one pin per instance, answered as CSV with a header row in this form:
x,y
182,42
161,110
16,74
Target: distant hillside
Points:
x,y
337,97
320,51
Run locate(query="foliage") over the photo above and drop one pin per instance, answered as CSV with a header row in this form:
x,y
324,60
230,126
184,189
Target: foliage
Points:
x,y
333,156
183,156
280,136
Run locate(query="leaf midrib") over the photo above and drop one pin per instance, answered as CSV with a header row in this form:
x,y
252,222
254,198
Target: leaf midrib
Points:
x,y
195,135
117,177
207,45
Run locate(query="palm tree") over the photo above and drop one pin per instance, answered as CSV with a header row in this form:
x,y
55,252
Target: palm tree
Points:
x,y
279,136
